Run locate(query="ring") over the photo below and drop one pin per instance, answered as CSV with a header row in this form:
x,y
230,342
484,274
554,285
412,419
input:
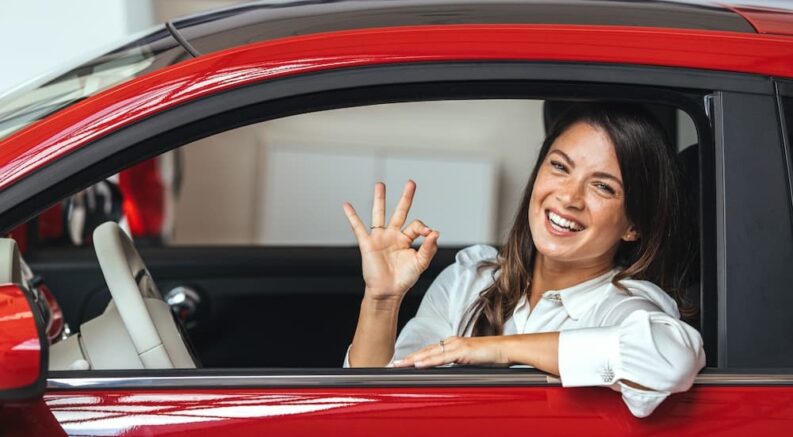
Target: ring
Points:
x,y
376,227
443,347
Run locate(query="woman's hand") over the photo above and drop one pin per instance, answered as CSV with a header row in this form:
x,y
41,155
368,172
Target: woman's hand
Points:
x,y
539,350
390,265
459,350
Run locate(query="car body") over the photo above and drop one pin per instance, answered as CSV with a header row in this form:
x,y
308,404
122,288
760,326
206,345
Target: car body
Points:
x,y
730,66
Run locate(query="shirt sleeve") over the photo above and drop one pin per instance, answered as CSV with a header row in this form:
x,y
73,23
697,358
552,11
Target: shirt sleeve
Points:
x,y
643,345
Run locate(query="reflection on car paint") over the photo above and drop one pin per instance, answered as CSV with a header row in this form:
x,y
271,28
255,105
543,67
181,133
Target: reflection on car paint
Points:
x,y
119,414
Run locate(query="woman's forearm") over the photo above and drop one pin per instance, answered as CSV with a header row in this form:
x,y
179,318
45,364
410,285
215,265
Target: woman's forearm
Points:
x,y
539,350
375,335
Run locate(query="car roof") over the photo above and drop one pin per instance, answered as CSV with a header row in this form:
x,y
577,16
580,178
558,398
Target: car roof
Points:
x,y
217,30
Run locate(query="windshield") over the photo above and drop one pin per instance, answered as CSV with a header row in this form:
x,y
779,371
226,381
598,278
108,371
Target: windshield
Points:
x,y
155,50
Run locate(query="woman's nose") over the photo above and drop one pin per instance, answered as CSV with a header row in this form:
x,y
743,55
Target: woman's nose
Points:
x,y
571,195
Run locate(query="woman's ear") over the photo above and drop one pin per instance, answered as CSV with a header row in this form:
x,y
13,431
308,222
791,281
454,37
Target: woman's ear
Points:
x,y
631,235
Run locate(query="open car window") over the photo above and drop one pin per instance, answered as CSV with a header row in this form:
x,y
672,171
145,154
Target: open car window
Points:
x,y
243,231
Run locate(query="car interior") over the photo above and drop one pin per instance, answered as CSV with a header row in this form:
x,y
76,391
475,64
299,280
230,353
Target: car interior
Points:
x,y
201,296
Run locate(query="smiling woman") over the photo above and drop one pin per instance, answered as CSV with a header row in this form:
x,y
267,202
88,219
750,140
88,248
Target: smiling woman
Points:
x,y
578,288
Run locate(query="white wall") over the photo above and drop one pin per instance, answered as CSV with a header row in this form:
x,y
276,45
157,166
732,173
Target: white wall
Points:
x,y
224,175
42,36
506,132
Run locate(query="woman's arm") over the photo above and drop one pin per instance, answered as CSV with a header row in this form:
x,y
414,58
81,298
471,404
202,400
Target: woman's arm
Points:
x,y
537,350
648,356
375,335
540,351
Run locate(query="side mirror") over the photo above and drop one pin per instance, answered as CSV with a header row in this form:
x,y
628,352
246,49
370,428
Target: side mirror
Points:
x,y
23,345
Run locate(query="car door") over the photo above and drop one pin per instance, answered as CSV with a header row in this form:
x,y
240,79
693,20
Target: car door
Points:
x,y
462,400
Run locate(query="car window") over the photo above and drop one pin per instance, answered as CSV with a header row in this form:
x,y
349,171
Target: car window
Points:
x,y
239,226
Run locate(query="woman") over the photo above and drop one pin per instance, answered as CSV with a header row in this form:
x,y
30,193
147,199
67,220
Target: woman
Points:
x,y
577,290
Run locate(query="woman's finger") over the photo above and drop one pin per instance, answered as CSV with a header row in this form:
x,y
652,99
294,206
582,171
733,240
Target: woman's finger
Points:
x,y
429,354
435,356
403,207
358,228
438,356
416,229
428,249
410,359
436,360
378,205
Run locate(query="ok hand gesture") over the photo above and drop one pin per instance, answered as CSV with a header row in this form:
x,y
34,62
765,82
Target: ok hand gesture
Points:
x,y
390,265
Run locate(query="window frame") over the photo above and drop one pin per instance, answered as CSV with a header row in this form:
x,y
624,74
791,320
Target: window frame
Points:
x,y
354,86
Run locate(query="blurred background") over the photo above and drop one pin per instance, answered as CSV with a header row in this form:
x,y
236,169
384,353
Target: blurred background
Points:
x,y
39,36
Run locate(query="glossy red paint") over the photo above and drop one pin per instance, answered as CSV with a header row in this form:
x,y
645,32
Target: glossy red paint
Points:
x,y
421,411
27,419
767,20
20,349
44,142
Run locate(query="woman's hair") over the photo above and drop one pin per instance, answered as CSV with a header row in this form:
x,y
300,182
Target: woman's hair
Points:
x,y
655,204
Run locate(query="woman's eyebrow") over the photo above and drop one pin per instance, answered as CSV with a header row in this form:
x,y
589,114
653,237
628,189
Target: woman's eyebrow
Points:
x,y
597,174
564,155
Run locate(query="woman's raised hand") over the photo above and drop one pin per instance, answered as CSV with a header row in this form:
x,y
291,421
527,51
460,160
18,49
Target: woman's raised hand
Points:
x,y
390,265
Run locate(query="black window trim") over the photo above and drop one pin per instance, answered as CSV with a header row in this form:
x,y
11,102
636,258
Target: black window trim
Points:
x,y
353,378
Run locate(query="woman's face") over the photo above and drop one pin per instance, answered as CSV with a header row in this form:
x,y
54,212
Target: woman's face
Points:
x,y
577,208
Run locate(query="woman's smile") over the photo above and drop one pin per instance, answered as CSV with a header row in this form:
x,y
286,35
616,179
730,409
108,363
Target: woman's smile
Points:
x,y
562,225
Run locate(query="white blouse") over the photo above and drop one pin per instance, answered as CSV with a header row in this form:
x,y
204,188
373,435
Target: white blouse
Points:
x,y
606,335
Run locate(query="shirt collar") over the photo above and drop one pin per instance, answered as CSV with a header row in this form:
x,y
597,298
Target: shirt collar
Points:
x,y
579,298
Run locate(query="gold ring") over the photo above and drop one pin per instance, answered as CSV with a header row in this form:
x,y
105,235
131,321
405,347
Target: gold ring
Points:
x,y
376,227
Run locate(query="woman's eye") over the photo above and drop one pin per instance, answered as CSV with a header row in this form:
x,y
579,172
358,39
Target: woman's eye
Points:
x,y
605,188
558,165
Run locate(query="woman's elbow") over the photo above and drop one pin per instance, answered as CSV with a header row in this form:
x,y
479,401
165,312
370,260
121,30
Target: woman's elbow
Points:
x,y
663,353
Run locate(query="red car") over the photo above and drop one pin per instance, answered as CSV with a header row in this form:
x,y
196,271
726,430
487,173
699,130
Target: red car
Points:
x,y
260,330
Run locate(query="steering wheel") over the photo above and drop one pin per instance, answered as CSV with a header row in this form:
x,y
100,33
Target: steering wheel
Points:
x,y
148,319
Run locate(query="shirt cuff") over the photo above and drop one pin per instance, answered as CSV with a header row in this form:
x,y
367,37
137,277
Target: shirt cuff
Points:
x,y
589,356
346,364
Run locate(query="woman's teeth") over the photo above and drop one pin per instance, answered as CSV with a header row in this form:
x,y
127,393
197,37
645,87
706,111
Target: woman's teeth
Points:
x,y
564,224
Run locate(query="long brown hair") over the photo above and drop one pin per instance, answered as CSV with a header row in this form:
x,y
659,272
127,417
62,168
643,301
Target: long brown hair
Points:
x,y
655,204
